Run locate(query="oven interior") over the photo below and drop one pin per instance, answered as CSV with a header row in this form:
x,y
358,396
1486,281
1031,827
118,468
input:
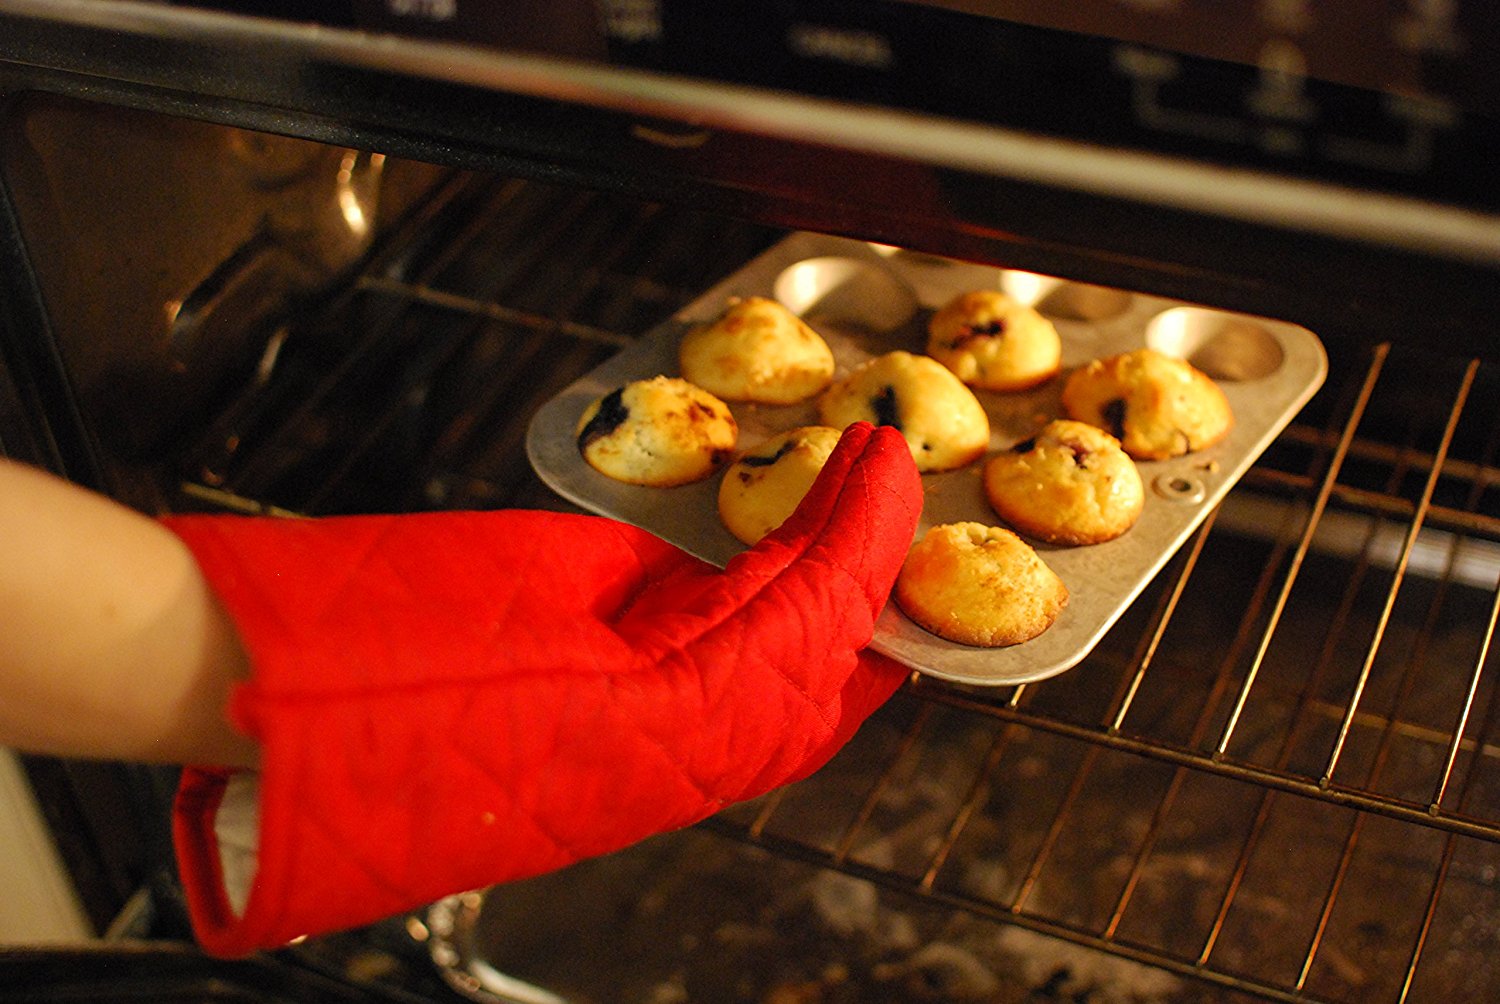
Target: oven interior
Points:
x,y
1275,778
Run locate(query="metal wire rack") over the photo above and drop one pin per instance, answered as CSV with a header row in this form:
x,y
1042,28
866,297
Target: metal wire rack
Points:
x,y
1288,754
1276,777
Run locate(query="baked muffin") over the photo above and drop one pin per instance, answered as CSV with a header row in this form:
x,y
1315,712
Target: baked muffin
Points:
x,y
761,489
979,585
757,351
994,342
941,419
1071,484
660,432
1156,405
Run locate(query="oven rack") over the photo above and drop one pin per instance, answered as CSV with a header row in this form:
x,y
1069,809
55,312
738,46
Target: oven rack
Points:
x,y
1424,771
1275,777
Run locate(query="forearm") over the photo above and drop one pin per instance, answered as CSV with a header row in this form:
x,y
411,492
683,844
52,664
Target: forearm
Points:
x,y
111,643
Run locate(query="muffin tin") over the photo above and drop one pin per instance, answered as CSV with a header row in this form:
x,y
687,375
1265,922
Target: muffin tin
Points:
x,y
868,299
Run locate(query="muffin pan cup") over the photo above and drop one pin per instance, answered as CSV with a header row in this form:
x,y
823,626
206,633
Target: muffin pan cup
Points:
x,y
866,300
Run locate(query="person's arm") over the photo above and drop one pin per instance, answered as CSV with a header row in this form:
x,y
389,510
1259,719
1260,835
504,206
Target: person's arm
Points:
x,y
112,645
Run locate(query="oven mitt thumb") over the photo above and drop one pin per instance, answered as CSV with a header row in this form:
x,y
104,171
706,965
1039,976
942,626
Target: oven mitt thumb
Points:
x,y
449,700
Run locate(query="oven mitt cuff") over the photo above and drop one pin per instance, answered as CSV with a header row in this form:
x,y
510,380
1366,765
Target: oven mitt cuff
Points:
x,y
449,700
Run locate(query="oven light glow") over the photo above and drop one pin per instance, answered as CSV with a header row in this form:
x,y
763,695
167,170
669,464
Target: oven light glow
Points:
x,y
348,197
806,287
354,214
843,290
1027,287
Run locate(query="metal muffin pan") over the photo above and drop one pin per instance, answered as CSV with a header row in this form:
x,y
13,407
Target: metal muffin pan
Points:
x,y
867,299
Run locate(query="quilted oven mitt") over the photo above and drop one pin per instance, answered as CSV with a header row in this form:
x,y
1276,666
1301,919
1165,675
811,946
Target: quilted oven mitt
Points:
x,y
449,700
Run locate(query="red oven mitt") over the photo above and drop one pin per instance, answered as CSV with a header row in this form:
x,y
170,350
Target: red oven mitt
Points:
x,y
449,700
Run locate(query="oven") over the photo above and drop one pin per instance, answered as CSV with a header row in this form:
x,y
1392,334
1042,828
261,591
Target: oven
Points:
x,y
264,264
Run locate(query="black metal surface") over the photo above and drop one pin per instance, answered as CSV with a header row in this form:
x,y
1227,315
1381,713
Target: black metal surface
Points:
x,y
39,420
171,973
1295,271
1074,79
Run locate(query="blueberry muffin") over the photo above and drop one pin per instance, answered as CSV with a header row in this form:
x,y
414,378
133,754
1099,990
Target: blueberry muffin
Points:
x,y
761,489
660,432
994,342
757,351
941,419
979,585
1156,405
1071,484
